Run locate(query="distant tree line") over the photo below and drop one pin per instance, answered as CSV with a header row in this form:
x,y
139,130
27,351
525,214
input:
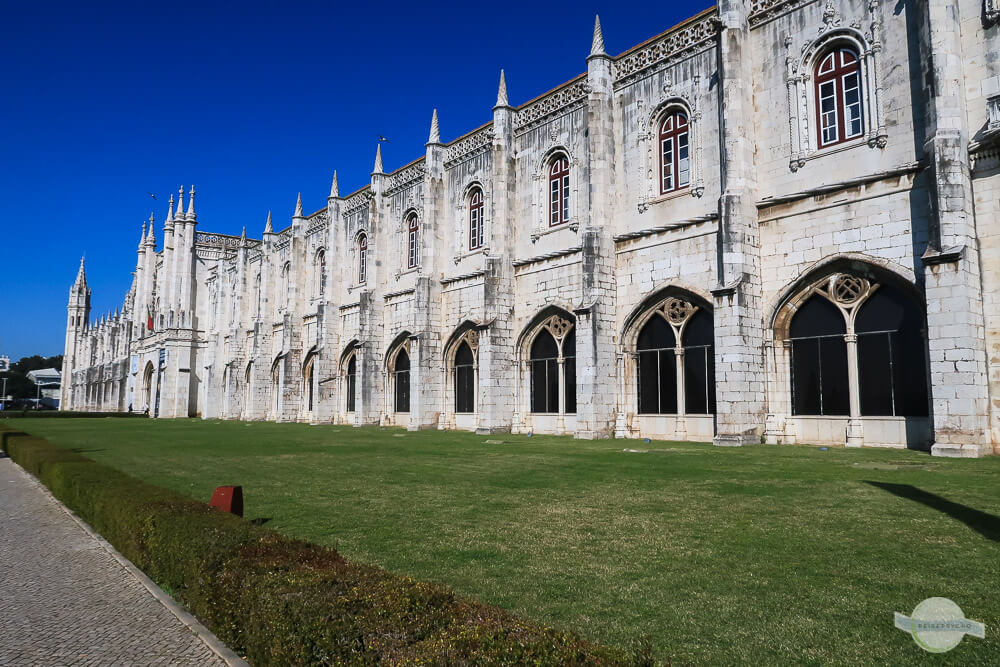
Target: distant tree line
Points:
x,y
18,384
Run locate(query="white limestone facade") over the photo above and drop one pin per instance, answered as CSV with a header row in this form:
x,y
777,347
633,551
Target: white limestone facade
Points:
x,y
778,221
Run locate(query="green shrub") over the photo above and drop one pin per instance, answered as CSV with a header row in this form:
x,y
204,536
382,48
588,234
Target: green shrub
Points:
x,y
64,414
281,601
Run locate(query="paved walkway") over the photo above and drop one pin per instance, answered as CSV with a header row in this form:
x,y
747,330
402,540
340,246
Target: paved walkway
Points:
x,y
65,600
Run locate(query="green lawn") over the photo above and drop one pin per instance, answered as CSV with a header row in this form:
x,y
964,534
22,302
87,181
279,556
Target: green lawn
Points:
x,y
764,554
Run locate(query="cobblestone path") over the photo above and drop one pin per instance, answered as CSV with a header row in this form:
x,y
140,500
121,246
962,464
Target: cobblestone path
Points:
x,y
64,600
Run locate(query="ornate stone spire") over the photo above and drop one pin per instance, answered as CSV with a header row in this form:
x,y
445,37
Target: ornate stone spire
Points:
x,y
191,214
151,238
170,208
502,92
179,215
334,186
597,46
81,274
378,160
298,206
142,237
268,226
435,136
243,237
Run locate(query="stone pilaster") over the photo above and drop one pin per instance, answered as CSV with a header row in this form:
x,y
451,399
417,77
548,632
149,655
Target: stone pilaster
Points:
x,y
739,361
956,329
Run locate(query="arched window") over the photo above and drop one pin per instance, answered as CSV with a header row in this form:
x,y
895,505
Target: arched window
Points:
x,y
892,370
553,353
838,97
321,273
362,259
678,333
412,241
675,153
401,375
465,379
819,359
352,382
309,386
476,219
558,190
257,294
285,296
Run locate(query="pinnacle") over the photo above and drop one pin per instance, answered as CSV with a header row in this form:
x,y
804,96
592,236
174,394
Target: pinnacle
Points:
x,y
378,160
268,226
502,92
298,206
597,46
435,136
190,212
334,186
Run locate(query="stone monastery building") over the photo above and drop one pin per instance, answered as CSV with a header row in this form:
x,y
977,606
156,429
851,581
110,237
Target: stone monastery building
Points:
x,y
778,220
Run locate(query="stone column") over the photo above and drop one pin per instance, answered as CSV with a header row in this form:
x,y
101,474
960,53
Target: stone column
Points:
x,y
855,429
680,425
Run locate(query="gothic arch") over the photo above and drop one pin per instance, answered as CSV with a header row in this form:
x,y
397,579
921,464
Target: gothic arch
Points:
x,y
531,329
872,269
640,314
400,341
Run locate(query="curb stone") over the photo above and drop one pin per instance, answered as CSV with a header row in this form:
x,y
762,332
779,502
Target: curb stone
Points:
x,y
187,619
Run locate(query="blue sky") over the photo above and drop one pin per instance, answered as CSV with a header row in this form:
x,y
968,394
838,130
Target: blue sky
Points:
x,y
251,102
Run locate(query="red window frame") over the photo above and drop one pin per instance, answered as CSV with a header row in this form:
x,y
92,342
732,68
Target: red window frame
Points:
x,y
558,190
476,219
412,242
838,78
362,259
675,153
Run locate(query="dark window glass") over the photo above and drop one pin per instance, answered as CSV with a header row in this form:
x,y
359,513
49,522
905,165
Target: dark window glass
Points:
x,y
699,364
819,360
352,377
657,368
309,386
465,379
402,374
544,373
892,362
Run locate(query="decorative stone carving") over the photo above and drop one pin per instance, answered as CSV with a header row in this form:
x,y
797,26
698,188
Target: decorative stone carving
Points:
x,y
669,48
677,310
993,10
799,74
648,142
993,104
559,101
469,146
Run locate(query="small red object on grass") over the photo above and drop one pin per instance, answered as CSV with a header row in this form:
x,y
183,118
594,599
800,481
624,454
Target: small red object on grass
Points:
x,y
228,499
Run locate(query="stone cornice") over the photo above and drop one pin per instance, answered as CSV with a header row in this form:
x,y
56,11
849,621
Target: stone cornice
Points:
x,y
690,37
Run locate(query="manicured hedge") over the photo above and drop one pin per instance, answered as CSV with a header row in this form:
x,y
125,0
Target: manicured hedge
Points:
x,y
280,601
63,414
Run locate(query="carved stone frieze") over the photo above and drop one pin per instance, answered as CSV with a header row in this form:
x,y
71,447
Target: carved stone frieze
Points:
x,y
674,45
558,101
469,146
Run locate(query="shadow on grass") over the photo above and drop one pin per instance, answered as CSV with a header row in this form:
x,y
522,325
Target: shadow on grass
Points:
x,y
985,524
81,450
260,521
